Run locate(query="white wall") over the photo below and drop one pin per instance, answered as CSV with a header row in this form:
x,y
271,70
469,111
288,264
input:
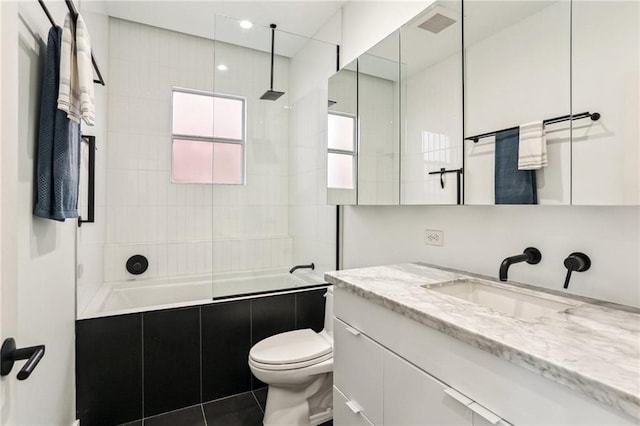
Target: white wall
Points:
x,y
42,251
478,238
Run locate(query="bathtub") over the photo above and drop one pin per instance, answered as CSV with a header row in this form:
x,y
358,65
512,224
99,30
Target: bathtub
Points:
x,y
124,297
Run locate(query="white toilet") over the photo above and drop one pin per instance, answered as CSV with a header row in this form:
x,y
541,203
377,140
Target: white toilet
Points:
x,y
298,367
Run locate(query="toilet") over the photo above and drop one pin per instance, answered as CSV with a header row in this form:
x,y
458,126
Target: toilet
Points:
x,y
298,367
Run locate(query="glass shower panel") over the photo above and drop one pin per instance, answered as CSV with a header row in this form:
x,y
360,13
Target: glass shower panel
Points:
x,y
276,216
150,205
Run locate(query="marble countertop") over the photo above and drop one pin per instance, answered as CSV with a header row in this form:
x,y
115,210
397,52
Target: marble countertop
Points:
x,y
593,348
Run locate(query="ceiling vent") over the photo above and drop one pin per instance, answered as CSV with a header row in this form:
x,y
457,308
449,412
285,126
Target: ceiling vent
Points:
x,y
437,20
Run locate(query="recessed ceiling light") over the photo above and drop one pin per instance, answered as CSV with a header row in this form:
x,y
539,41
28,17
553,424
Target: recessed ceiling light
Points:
x,y
222,67
246,24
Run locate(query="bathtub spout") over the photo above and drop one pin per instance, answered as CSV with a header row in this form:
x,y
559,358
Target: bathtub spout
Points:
x,y
310,266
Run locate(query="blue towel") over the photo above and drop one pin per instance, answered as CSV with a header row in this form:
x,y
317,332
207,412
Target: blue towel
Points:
x,y
512,186
58,151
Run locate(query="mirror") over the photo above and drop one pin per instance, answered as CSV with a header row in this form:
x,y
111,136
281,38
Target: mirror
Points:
x,y
431,59
605,74
517,71
342,136
379,112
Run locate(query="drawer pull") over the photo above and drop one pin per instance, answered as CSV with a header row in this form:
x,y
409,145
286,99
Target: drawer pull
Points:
x,y
483,412
458,396
353,331
353,406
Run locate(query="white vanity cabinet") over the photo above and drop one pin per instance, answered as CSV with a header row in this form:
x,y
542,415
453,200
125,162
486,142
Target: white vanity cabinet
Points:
x,y
374,386
357,368
392,370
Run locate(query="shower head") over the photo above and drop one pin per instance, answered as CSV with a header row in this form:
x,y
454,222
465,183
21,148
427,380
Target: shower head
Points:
x,y
272,95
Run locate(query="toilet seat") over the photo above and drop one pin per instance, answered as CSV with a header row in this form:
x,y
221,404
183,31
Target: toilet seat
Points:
x,y
291,350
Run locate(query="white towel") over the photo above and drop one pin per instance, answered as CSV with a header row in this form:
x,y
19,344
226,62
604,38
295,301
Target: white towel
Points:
x,y
75,92
85,72
532,148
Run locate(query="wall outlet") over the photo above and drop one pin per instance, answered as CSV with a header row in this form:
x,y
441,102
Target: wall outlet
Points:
x,y
433,237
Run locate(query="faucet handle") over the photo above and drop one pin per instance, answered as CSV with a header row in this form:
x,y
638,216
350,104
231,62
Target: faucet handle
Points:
x,y
578,262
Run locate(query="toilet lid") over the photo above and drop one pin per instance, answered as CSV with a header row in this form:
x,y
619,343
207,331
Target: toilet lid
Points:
x,y
290,347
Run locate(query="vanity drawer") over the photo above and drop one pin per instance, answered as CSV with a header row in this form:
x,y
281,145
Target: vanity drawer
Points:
x,y
345,412
413,397
357,366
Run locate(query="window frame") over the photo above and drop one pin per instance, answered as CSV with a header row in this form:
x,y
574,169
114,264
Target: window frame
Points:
x,y
353,153
179,136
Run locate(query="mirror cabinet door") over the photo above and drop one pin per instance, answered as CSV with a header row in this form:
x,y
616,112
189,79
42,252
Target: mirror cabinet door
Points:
x,y
431,58
517,72
342,136
379,131
605,74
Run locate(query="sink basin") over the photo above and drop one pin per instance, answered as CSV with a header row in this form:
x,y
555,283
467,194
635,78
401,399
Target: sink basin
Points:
x,y
517,303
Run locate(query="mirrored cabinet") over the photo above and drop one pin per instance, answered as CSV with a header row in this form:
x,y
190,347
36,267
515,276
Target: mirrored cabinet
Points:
x,y
378,110
536,104
431,58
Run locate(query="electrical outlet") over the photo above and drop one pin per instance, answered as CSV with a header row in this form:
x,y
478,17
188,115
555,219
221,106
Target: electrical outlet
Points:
x,y
433,237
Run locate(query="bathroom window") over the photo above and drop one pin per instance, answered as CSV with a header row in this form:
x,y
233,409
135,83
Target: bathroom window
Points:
x,y
208,137
342,151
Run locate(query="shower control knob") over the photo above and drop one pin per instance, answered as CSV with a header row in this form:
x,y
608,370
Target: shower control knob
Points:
x,y
137,264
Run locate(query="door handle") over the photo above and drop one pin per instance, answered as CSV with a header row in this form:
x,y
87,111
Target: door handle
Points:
x,y
9,355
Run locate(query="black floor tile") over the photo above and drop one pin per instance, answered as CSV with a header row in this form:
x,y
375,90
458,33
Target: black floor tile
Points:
x,y
226,340
136,423
109,370
261,396
310,309
171,360
329,423
239,410
191,416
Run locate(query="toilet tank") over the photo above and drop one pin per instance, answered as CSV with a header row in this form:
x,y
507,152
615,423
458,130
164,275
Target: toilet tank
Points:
x,y
328,311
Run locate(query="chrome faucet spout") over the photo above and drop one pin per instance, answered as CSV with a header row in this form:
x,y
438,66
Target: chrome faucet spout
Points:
x,y
309,266
531,255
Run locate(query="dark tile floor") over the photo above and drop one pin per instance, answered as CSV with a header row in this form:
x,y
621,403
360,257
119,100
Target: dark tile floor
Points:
x,y
245,409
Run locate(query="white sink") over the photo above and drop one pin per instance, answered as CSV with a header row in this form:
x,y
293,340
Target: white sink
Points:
x,y
517,303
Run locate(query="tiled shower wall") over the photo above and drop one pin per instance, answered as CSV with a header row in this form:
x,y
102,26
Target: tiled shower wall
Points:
x,y
189,229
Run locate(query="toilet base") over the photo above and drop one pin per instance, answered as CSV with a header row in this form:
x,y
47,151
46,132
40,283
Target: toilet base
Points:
x,y
289,406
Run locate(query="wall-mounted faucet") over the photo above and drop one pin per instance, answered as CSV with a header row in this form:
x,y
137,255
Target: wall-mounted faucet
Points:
x,y
310,266
578,262
531,255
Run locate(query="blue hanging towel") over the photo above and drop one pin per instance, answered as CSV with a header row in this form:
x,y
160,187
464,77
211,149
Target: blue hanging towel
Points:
x,y
58,151
512,186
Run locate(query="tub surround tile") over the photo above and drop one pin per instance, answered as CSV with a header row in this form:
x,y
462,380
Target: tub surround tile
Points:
x,y
109,369
593,348
191,416
310,309
171,360
272,315
237,410
226,340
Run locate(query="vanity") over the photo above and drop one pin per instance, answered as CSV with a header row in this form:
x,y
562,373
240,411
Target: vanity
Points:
x,y
423,345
